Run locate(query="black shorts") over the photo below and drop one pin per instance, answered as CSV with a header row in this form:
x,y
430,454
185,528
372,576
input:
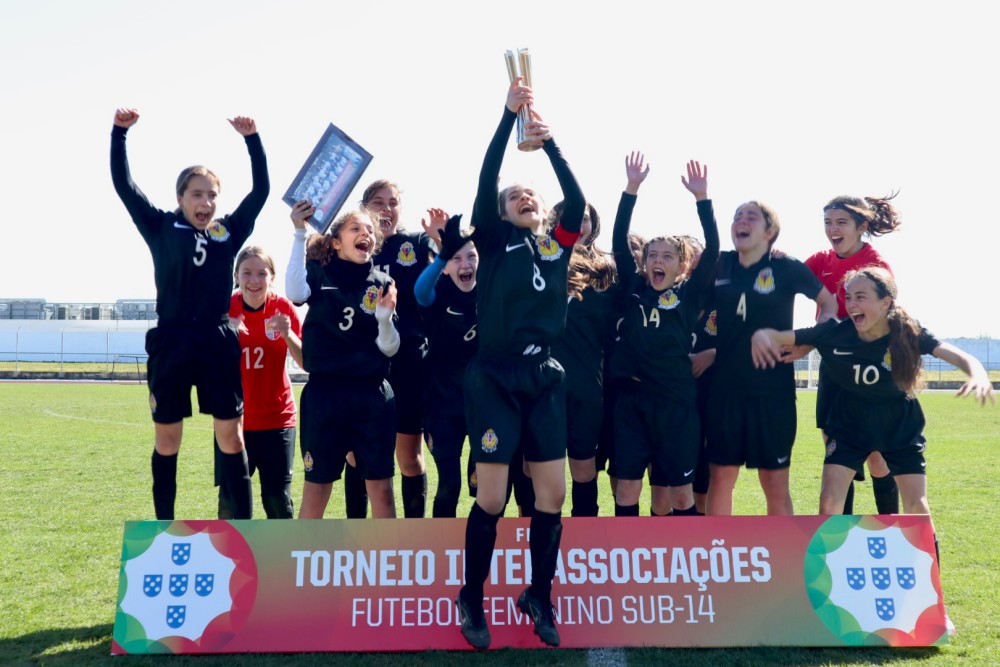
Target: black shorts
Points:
x,y
516,405
339,416
206,356
758,431
857,427
652,430
272,452
826,394
701,472
408,379
605,455
583,426
445,436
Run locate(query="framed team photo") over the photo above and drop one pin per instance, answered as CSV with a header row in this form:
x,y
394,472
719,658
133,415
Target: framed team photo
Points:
x,y
328,176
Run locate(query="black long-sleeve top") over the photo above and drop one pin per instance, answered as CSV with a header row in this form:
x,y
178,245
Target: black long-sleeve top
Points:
x,y
522,278
193,268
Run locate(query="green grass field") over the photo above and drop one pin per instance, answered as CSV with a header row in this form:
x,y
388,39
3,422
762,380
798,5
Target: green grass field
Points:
x,y
74,465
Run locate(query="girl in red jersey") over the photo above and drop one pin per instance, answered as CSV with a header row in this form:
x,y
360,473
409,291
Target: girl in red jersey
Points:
x,y
848,221
269,330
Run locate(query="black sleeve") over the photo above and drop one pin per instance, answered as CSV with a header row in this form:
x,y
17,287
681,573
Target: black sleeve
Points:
x,y
246,213
143,214
624,259
806,281
705,271
574,202
816,335
485,213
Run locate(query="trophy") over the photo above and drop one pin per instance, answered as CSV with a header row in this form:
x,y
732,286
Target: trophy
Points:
x,y
521,66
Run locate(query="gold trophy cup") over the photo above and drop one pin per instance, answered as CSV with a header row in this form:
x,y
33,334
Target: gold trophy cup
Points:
x,y
521,66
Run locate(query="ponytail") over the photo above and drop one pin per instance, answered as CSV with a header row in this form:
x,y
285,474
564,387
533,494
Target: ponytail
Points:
x,y
904,350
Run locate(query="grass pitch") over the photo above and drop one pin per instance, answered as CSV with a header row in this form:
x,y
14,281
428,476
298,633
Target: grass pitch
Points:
x,y
74,465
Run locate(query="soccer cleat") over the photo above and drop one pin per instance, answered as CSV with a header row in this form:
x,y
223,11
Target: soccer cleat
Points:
x,y
540,612
474,627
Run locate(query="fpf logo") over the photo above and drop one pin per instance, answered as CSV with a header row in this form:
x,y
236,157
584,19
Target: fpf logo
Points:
x,y
875,584
177,586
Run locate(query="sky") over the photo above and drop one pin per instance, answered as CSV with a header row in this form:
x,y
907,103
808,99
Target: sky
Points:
x,y
788,102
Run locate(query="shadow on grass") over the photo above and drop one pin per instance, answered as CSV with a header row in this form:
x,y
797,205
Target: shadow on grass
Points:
x,y
81,647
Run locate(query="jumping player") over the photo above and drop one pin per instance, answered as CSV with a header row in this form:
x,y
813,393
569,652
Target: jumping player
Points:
x,y
448,308
269,331
656,418
874,357
752,416
193,342
347,340
848,221
515,397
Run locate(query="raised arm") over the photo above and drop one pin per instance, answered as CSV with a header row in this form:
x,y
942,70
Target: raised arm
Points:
x,y
978,384
697,184
296,286
253,203
574,201
135,201
636,170
485,211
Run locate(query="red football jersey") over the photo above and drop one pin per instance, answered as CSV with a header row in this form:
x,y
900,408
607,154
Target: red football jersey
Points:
x,y
268,402
830,269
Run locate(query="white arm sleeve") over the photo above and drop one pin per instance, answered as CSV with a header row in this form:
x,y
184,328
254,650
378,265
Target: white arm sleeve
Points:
x,y
388,337
296,288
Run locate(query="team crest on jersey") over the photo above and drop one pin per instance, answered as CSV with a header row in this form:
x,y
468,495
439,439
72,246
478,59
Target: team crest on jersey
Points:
x,y
668,300
406,256
765,281
887,361
307,462
712,325
217,231
490,441
371,299
548,248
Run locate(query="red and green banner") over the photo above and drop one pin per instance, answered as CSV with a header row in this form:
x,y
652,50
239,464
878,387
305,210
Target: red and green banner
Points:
x,y
367,585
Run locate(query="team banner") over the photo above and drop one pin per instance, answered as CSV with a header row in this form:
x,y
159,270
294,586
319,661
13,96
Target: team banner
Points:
x,y
367,585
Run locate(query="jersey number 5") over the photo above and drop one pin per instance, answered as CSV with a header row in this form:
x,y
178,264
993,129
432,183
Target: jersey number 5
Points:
x,y
200,253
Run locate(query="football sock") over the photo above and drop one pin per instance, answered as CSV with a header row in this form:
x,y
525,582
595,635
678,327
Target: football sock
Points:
x,y
626,510
480,538
355,493
546,533
849,500
886,494
415,496
236,477
584,498
164,485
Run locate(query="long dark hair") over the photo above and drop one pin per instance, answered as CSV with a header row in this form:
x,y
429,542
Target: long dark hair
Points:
x,y
319,248
904,331
588,266
878,212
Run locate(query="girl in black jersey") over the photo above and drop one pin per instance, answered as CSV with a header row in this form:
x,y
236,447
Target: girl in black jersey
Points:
x,y
347,339
874,356
514,394
448,308
193,342
656,419
580,351
403,256
752,414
